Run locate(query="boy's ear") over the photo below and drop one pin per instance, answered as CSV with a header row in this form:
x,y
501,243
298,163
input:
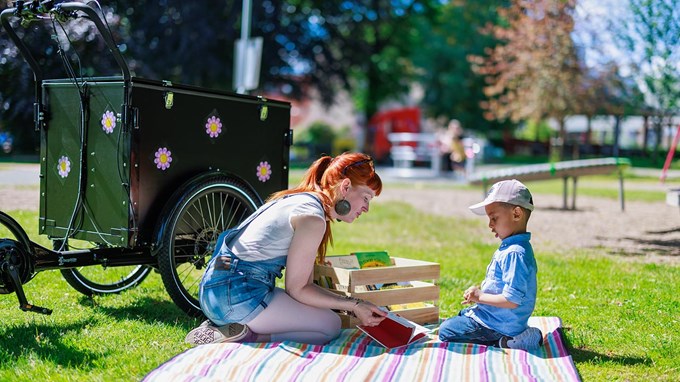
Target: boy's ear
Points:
x,y
517,213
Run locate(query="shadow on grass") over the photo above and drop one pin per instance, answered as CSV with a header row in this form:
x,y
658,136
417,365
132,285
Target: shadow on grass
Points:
x,y
589,356
582,355
46,342
149,310
661,247
654,242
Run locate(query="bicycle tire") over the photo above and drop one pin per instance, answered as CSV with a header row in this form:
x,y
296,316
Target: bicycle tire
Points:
x,y
195,220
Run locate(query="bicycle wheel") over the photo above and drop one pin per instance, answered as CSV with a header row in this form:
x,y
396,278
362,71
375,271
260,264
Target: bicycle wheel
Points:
x,y
99,280
195,220
15,250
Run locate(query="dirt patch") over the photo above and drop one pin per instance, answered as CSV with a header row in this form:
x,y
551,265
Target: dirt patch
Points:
x,y
19,198
644,231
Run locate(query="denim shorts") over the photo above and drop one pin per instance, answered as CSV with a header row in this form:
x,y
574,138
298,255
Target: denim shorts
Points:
x,y
235,295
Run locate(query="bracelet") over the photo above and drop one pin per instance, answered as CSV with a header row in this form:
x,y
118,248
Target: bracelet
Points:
x,y
357,301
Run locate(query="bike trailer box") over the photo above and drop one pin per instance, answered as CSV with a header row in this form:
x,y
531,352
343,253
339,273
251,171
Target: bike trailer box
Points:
x,y
127,172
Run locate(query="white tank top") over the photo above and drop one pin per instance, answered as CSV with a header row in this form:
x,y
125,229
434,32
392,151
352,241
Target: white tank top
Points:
x,y
270,234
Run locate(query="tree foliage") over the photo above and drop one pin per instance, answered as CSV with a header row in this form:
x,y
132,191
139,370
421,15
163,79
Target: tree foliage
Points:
x,y
649,36
362,46
653,42
451,88
530,75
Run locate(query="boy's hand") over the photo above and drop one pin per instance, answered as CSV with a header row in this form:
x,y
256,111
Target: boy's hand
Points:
x,y
471,295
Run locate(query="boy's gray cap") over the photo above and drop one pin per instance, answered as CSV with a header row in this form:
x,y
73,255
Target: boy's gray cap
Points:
x,y
506,191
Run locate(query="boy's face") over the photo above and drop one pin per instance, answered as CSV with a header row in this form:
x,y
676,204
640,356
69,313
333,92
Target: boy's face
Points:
x,y
505,220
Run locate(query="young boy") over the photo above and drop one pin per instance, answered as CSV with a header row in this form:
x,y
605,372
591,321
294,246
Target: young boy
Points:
x,y
507,295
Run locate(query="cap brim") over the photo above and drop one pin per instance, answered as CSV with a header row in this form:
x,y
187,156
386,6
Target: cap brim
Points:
x,y
479,208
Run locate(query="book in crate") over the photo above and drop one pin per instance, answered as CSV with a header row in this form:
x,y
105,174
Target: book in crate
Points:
x,y
416,302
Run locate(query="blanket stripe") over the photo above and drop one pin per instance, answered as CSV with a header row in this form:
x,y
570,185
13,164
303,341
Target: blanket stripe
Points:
x,y
355,357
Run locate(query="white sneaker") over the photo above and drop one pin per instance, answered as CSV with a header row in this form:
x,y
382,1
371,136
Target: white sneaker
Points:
x,y
530,339
207,333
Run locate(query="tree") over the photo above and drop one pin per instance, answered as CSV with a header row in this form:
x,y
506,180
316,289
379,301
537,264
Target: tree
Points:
x,y
650,38
532,74
359,45
363,46
451,88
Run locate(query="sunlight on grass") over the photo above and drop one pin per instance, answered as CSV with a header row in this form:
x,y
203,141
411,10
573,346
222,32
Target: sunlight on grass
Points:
x,y
620,317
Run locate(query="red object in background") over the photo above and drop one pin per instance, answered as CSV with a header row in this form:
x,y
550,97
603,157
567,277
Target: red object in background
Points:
x,y
669,157
404,120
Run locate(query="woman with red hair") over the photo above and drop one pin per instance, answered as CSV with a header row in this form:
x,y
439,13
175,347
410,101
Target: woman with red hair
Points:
x,y
292,231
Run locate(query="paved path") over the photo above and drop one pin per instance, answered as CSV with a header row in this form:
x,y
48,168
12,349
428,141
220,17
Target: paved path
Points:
x,y
19,174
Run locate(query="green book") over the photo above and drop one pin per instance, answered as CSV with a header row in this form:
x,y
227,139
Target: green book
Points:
x,y
372,259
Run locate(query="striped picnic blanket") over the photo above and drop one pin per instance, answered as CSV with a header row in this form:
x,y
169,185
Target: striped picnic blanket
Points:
x,y
355,357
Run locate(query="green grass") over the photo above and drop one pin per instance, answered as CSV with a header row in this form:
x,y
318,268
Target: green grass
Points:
x,y
620,317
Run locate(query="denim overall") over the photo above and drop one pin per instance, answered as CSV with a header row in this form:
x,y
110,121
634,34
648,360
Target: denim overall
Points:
x,y
241,292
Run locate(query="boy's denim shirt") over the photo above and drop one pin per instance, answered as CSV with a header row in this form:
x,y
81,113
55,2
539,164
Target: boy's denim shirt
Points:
x,y
512,273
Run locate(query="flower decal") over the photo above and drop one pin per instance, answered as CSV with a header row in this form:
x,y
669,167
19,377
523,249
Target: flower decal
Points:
x,y
108,121
163,158
264,171
63,166
213,127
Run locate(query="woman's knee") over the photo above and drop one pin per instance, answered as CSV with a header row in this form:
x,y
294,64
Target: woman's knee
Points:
x,y
331,326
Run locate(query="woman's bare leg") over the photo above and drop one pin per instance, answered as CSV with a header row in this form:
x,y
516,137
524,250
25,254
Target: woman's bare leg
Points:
x,y
285,319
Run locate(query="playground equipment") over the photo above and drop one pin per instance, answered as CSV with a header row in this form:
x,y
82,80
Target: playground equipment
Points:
x,y
146,173
564,170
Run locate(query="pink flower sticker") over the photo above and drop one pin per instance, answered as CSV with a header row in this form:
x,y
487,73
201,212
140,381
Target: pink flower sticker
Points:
x,y
213,127
264,171
108,121
163,158
63,166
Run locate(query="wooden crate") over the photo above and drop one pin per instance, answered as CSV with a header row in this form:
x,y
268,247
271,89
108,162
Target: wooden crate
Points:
x,y
421,274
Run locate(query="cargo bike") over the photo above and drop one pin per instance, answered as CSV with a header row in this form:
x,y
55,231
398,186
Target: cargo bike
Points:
x,y
146,173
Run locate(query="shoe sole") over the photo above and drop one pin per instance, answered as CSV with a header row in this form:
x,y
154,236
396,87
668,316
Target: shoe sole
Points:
x,y
204,335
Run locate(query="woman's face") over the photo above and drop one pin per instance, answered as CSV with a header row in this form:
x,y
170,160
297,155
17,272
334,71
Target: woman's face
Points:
x,y
359,198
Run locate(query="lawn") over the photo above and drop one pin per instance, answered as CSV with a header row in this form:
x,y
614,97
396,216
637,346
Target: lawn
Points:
x,y
621,317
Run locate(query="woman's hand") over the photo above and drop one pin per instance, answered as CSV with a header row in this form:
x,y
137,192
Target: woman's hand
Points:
x,y
368,313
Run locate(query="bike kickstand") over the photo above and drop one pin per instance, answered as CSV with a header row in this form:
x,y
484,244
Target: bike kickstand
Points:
x,y
23,302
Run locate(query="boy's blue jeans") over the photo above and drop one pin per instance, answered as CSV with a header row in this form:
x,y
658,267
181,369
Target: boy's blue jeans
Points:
x,y
462,328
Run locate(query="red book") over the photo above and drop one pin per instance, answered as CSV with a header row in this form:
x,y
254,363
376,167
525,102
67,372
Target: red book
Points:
x,y
395,331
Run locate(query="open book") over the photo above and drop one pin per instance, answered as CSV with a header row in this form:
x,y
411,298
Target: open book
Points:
x,y
395,331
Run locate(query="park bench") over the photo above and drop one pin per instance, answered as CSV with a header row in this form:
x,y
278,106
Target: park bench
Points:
x,y
565,170
408,148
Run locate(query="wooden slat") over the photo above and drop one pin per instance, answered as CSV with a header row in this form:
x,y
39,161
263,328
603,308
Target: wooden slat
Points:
x,y
403,270
422,292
